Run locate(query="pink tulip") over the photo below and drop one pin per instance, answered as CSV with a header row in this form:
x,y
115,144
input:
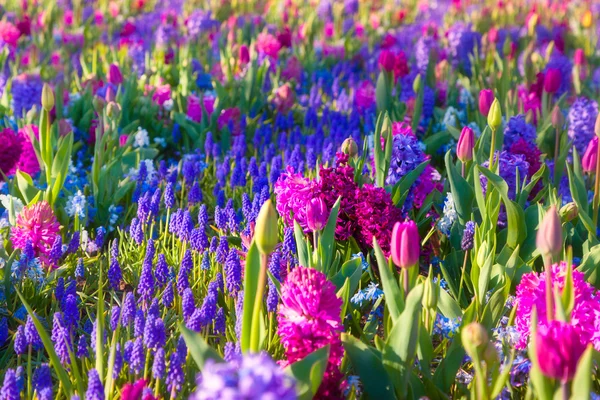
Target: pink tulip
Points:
x,y
579,57
552,80
590,157
406,244
558,349
317,214
114,74
387,60
466,143
123,140
486,98
549,239
244,54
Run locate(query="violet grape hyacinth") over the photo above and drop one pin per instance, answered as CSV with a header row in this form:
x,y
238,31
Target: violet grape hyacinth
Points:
x,y
581,120
253,376
309,318
95,390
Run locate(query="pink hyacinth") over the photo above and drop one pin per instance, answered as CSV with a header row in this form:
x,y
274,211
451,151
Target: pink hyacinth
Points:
x,y
309,319
558,349
268,44
294,192
35,223
531,293
161,94
9,33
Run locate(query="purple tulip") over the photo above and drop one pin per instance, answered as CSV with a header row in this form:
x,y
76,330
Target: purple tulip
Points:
x,y
317,214
552,80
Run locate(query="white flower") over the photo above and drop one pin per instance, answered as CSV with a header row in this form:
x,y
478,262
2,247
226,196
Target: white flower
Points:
x,y
141,138
168,105
5,199
450,215
76,205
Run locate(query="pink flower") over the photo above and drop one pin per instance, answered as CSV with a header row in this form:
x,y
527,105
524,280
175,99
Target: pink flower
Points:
x,y
531,292
135,391
405,244
28,161
590,157
558,350
292,70
161,94
10,150
9,33
35,223
268,44
114,75
123,140
194,111
317,214
293,193
233,115
284,98
309,319
364,96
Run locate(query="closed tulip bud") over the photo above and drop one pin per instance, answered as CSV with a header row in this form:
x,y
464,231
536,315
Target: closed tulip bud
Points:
x,y
113,110
244,54
552,80
579,57
466,143
494,117
123,140
47,97
431,292
486,98
590,157
387,60
406,244
417,84
350,147
558,119
475,339
114,75
266,231
482,253
549,236
98,104
317,214
569,211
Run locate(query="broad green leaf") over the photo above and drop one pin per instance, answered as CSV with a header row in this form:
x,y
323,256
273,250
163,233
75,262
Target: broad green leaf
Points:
x,y
26,187
393,297
251,276
582,382
462,193
199,349
303,253
309,372
327,240
447,306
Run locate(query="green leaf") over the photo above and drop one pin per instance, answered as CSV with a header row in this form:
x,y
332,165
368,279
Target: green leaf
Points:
x,y
309,372
350,269
368,364
327,240
462,193
301,247
579,194
402,188
447,306
26,187
199,349
382,96
582,382
251,277
49,346
393,297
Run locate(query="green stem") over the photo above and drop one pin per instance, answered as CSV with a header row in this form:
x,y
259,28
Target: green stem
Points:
x,y
492,149
462,276
549,291
258,303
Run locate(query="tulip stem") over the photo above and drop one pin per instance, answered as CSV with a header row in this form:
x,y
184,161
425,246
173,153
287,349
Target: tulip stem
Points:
x,y
462,276
597,189
549,291
564,390
406,277
556,146
492,148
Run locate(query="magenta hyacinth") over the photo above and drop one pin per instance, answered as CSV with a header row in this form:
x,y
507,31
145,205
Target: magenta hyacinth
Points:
x,y
531,293
309,318
558,349
37,224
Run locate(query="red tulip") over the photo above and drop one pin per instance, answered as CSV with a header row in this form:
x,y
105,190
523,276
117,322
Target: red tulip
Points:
x,y
406,244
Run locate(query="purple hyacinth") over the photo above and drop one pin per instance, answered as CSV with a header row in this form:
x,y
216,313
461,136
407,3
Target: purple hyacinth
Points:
x,y
582,119
239,312
128,310
175,375
203,217
59,292
95,390
10,388
275,270
509,164
205,265
146,283
82,347
60,336
138,356
155,334
26,90
195,195
517,128
186,267
161,272
220,326
70,312
155,202
209,306
136,231
56,250
222,250
425,48
233,271
198,240
168,295
468,236
32,335
100,234
42,382
230,352
3,331
139,323
20,342
74,243
249,377
118,362
159,367
188,304
214,243
80,269
115,314
220,218
169,196
186,226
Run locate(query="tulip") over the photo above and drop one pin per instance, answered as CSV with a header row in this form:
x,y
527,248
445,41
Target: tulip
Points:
x,y
486,98
558,348
417,84
350,147
466,143
579,57
406,244
590,157
47,97
114,75
387,60
474,338
494,117
123,140
266,231
549,236
557,118
244,54
569,211
552,80
317,214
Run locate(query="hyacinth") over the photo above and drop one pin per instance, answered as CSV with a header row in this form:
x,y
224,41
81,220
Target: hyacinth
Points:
x,y
233,272
26,90
10,389
95,390
10,150
158,366
253,376
468,236
407,154
309,318
42,382
17,151
517,128
293,192
582,118
463,42
530,152
425,49
36,224
508,167
531,293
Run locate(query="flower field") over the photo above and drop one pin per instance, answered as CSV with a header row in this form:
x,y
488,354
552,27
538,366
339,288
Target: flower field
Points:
x,y
297,199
